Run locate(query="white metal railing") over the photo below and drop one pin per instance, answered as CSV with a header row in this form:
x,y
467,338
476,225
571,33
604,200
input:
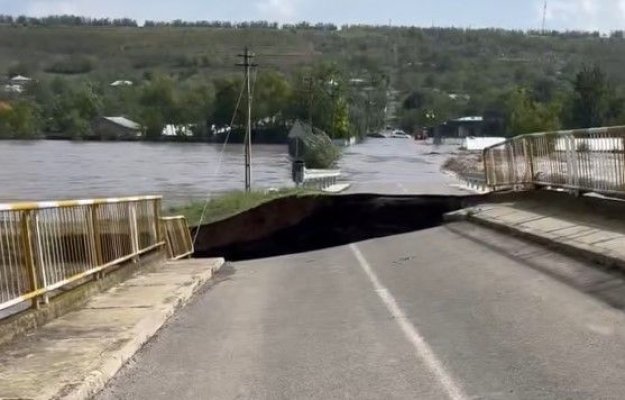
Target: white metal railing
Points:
x,y
321,178
46,246
591,160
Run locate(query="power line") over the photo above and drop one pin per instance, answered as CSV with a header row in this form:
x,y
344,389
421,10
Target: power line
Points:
x,y
219,161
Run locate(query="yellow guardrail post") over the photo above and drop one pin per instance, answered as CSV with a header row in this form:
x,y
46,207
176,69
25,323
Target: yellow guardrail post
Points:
x,y
29,260
133,231
187,235
96,239
160,237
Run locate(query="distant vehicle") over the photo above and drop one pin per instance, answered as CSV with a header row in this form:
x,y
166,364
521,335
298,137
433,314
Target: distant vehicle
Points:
x,y
399,134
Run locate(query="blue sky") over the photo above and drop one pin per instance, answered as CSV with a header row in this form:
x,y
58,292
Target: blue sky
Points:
x,y
604,15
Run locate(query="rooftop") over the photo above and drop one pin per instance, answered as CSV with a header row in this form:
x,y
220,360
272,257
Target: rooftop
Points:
x,y
469,119
125,122
20,78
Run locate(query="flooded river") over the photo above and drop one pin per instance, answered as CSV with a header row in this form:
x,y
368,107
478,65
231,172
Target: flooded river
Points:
x,y
46,170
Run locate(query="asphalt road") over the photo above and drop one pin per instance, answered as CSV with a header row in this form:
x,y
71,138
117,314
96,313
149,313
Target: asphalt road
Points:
x,y
456,312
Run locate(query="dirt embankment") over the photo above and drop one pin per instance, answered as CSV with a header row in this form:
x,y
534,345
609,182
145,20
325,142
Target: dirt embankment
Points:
x,y
466,162
305,223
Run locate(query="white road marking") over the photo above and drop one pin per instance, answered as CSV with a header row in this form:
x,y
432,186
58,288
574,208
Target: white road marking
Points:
x,y
422,349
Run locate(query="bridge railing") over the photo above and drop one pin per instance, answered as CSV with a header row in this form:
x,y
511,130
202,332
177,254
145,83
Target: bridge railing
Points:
x,y
586,160
47,246
320,178
178,237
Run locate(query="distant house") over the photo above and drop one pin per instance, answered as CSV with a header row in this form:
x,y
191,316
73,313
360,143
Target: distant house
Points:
x,y
16,85
122,83
460,128
116,128
177,130
460,97
20,80
13,89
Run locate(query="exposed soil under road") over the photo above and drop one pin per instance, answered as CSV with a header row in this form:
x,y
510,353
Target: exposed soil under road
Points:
x,y
298,224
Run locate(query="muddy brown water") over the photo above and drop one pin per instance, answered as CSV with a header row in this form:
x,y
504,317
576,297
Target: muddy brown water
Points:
x,y
50,170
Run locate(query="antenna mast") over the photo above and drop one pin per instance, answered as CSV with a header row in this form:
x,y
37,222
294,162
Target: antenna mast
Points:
x,y
544,17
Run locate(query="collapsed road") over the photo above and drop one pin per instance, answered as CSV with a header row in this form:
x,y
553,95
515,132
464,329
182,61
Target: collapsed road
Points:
x,y
304,223
311,309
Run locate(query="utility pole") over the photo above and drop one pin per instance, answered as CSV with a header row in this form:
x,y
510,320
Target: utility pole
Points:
x,y
247,65
311,97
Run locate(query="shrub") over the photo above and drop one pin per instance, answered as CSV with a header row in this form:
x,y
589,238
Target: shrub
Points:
x,y
320,152
72,65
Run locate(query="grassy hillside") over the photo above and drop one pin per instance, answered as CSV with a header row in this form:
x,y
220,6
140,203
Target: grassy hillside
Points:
x,y
454,57
425,66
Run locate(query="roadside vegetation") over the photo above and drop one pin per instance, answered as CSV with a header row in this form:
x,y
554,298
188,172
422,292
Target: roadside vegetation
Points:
x,y
227,205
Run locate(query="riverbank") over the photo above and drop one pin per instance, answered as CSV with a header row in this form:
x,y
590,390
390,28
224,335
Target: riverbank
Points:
x,y
465,162
228,205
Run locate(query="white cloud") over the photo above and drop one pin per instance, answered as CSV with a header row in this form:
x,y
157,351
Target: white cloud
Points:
x,y
621,5
602,15
43,8
278,10
89,8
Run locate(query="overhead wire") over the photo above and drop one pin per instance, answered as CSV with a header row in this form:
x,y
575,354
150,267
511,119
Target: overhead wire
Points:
x,y
220,161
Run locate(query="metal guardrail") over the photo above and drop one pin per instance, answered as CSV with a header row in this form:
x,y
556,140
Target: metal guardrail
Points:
x,y
47,246
474,180
320,178
178,237
584,160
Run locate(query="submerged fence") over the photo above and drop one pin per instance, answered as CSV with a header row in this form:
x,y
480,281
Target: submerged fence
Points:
x,y
46,246
586,160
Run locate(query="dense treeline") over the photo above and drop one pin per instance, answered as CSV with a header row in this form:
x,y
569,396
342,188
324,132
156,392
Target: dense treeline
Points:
x,y
526,80
75,20
62,107
66,20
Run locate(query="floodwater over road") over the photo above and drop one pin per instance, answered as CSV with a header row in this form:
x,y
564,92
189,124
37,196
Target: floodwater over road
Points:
x,y
47,170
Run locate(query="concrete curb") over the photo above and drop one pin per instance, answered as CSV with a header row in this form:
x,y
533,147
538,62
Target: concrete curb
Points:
x,y
593,254
96,380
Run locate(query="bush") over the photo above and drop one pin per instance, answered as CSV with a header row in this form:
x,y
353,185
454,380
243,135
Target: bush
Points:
x,y
72,65
320,152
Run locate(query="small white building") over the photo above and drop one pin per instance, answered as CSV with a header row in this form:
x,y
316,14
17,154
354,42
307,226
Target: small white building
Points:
x,y
117,128
172,130
122,83
12,88
20,80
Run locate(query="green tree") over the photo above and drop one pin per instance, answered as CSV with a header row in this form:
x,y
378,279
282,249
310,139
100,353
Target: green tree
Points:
x,y
227,93
196,107
272,94
159,106
20,121
341,124
527,116
592,98
68,107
